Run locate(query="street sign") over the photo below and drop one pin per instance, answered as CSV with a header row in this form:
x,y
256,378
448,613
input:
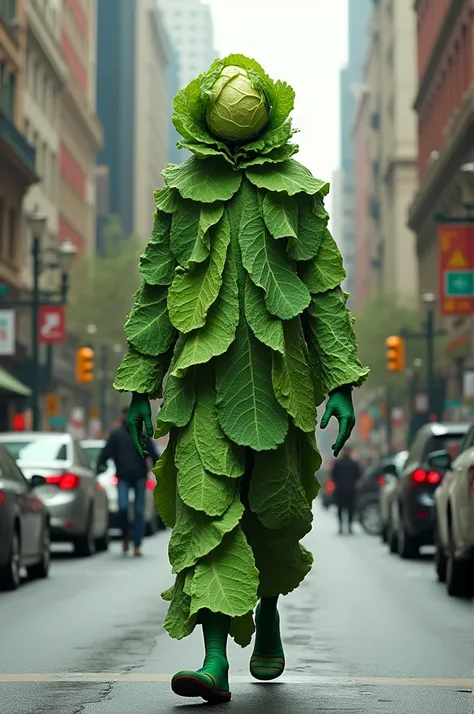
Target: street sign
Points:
x,y
7,332
456,268
51,405
51,324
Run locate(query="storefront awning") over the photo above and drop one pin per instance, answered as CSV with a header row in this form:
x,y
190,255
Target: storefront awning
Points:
x,y
11,384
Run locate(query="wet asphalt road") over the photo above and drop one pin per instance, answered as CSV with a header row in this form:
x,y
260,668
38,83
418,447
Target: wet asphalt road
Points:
x,y
366,634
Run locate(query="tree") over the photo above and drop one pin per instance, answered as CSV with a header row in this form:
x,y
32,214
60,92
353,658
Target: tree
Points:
x,y
102,287
381,317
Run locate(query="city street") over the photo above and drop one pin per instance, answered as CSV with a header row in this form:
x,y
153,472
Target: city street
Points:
x,y
366,632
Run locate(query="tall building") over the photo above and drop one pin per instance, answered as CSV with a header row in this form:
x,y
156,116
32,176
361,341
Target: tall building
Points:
x,y
444,104
17,174
336,212
80,132
133,107
351,75
362,189
189,25
390,73
46,78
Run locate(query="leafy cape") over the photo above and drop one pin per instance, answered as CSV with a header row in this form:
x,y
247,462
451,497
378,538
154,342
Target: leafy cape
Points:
x,y
242,326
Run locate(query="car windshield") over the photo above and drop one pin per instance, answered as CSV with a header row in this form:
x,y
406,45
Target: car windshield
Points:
x,y
92,453
37,450
450,443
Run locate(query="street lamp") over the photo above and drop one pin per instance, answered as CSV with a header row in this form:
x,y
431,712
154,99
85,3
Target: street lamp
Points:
x,y
429,300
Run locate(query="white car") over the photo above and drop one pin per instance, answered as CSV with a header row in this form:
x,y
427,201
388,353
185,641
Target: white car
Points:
x,y
108,480
391,474
455,521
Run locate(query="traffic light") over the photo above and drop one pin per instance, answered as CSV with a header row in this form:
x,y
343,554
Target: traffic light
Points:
x,y
395,353
85,365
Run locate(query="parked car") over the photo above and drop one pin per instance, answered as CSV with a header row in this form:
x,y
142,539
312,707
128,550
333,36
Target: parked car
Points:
x,y
454,498
66,484
108,479
24,526
387,490
412,516
373,480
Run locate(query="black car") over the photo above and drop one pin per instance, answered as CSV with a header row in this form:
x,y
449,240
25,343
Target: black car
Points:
x,y
412,520
368,495
24,526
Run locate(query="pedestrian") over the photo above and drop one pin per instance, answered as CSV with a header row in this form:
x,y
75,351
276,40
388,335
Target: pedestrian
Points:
x,y
346,474
131,471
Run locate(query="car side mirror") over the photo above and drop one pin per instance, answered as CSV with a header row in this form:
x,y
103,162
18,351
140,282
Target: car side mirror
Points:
x,y
36,481
439,459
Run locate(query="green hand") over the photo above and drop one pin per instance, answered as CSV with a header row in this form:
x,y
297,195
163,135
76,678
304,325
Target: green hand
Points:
x,y
340,406
139,414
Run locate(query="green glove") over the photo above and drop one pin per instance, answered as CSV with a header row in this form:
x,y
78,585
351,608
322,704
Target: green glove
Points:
x,y
139,414
340,406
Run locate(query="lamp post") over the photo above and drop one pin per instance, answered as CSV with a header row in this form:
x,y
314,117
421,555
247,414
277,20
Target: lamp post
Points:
x,y
429,299
64,256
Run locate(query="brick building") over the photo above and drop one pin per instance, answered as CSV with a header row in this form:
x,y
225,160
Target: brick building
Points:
x,y
445,107
81,135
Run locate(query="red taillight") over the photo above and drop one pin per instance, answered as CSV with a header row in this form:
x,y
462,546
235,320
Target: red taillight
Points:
x,y
114,480
422,476
66,482
2,496
381,480
329,486
150,484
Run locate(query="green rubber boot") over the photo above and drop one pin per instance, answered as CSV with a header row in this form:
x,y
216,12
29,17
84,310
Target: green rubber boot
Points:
x,y
211,682
268,659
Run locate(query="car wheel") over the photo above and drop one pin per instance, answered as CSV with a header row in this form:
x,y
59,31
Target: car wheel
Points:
x,y
459,578
84,546
407,545
440,559
10,573
102,543
369,517
41,569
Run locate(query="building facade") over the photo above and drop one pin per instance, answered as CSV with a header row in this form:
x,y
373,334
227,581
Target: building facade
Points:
x,y
444,105
350,77
133,107
80,132
390,73
336,212
362,188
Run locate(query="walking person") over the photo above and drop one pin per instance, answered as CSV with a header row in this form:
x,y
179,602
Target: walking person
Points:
x,y
346,475
131,471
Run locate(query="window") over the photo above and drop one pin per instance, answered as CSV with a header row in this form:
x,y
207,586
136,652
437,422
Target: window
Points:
x,y
10,470
12,220
42,449
7,91
80,458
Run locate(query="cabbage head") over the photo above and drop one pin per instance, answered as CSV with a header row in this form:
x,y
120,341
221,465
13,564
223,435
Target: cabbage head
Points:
x,y
237,111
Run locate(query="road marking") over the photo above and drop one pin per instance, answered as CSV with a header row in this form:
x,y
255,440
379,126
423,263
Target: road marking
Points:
x,y
144,677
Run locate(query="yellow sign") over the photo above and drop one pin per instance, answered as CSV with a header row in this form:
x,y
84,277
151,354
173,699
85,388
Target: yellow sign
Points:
x,y
52,405
457,260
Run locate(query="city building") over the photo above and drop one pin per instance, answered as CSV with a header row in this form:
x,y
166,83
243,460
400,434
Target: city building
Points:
x,y
17,174
444,104
46,78
362,188
190,28
80,132
337,209
350,77
133,107
390,74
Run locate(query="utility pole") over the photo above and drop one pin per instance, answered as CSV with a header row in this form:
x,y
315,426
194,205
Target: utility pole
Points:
x,y
388,419
430,361
34,335
103,385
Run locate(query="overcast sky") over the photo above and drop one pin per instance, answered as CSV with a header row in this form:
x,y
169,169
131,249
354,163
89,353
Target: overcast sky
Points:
x,y
303,42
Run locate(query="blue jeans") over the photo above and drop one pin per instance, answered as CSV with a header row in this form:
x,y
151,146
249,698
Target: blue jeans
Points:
x,y
139,488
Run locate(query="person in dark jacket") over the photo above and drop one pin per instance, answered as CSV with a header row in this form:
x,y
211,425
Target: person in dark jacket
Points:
x,y
131,471
346,475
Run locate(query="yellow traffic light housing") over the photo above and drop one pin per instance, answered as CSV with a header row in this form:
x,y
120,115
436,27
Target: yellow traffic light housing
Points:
x,y
85,365
395,353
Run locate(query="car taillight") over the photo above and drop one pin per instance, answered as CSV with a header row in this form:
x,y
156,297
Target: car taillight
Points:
x,y
422,476
114,480
2,496
150,484
66,481
381,480
329,486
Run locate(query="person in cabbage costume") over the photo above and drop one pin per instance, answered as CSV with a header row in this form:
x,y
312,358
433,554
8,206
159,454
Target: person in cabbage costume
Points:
x,y
241,326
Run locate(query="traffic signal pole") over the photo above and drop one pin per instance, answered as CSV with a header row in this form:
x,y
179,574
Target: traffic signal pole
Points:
x,y
35,337
430,361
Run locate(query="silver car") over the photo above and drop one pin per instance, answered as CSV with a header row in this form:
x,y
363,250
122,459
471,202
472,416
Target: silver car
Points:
x,y
70,490
108,479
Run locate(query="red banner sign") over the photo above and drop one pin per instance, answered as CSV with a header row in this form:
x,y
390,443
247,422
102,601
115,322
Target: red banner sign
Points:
x,y
456,268
51,324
